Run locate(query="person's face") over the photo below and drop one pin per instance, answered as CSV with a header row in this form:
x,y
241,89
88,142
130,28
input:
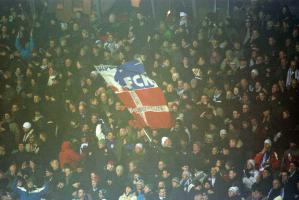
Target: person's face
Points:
x,y
275,184
236,115
13,168
196,147
128,190
146,189
14,108
232,143
67,171
138,150
94,119
245,108
274,88
232,174
55,164
256,194
267,146
249,166
132,167
21,147
161,165
94,183
213,171
29,184
93,176
81,193
231,194
119,171
284,177
292,167
265,173
162,193
110,136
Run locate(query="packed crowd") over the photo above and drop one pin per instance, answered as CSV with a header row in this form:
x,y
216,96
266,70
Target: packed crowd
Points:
x,y
231,84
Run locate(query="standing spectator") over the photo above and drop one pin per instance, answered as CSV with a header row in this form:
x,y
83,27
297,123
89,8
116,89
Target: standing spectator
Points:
x,y
267,157
250,175
68,156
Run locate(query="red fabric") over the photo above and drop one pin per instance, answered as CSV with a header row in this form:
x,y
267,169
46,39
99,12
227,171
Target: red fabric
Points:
x,y
148,97
274,162
68,156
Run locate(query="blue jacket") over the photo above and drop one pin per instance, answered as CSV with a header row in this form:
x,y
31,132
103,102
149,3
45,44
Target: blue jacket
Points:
x,y
24,194
25,52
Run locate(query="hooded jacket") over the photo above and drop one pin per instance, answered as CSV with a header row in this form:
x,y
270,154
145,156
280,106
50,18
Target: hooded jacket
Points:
x,y
68,156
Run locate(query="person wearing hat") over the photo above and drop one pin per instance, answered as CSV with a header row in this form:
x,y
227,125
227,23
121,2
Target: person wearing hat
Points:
x,y
234,193
250,175
28,132
177,191
267,157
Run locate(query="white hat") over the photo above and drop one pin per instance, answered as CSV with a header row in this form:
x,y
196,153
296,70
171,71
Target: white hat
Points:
x,y
139,145
268,141
183,14
223,132
27,125
163,140
234,189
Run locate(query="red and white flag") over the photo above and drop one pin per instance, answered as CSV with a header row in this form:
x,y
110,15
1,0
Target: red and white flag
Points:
x,y
140,94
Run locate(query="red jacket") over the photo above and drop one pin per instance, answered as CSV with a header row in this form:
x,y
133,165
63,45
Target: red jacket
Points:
x,y
273,161
68,156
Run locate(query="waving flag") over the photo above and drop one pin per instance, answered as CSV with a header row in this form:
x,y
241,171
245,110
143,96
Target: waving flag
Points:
x,y
140,94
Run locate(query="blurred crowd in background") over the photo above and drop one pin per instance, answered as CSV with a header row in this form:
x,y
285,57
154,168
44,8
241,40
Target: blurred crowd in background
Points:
x,y
231,84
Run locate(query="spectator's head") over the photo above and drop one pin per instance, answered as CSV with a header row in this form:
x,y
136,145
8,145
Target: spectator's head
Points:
x,y
267,144
233,192
276,184
266,173
139,185
139,148
250,164
147,188
54,164
162,193
175,182
102,194
119,170
110,165
21,147
81,193
232,174
292,167
26,127
196,147
67,170
256,192
132,166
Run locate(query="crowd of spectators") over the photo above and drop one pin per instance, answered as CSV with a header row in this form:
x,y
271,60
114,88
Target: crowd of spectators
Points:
x,y
231,84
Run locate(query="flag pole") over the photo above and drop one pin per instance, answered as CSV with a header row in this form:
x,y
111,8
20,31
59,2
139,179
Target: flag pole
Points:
x,y
148,137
